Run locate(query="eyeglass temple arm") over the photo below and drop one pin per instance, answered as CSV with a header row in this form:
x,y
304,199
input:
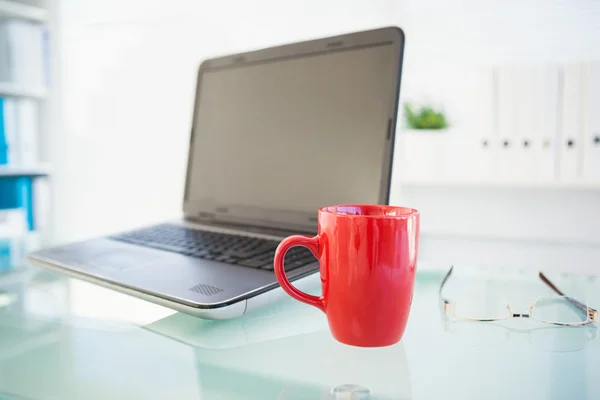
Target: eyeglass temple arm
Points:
x,y
443,283
445,302
592,313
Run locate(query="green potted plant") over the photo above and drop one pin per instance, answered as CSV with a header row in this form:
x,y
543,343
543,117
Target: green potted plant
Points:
x,y
424,118
424,142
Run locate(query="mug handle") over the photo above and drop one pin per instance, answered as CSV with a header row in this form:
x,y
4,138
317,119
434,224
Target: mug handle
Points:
x,y
312,243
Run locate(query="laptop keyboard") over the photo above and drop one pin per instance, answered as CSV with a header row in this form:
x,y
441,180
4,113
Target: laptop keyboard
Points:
x,y
232,249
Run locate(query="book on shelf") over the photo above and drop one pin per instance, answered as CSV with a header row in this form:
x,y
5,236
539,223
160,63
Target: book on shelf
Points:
x,y
28,194
23,53
13,222
3,141
19,130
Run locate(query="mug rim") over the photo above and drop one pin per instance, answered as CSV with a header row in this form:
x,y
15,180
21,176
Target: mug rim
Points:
x,y
410,212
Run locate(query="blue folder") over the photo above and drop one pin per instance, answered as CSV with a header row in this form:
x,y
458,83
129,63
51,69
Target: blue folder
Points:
x,y
17,192
3,144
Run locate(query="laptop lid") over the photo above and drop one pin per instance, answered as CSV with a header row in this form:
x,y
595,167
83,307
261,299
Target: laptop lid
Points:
x,y
279,132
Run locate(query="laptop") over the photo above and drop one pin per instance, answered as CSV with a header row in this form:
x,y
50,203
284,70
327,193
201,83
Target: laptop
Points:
x,y
276,134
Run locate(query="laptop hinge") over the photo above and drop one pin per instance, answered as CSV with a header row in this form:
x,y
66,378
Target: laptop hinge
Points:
x,y
211,219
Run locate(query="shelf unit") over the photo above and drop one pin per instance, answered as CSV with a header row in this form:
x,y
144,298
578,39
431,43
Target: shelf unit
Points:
x,y
12,90
467,159
14,9
40,170
21,183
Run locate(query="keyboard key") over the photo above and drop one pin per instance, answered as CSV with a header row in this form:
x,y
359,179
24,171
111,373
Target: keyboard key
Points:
x,y
250,263
266,257
228,248
268,267
241,254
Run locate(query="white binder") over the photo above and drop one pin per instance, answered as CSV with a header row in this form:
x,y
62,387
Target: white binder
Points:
x,y
4,53
506,160
27,125
10,130
481,143
469,146
527,107
544,117
521,154
570,146
591,140
22,53
17,42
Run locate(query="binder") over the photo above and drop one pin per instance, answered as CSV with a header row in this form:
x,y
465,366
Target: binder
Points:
x,y
543,133
40,205
27,128
591,140
506,161
524,125
17,193
570,143
480,145
469,143
35,57
13,222
4,53
22,53
3,144
10,130
17,45
19,126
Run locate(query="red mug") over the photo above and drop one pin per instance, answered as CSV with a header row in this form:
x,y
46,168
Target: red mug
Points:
x,y
368,258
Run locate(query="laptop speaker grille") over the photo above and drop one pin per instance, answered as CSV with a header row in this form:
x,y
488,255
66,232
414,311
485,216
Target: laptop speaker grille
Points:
x,y
206,290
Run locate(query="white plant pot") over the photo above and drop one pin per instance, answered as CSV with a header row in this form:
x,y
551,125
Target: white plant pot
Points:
x,y
422,155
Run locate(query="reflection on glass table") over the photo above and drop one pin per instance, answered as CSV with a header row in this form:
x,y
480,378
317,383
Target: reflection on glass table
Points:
x,y
83,362
559,310
311,366
278,321
547,338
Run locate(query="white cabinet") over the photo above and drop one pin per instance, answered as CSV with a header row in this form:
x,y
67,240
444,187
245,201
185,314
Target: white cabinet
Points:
x,y
530,126
591,124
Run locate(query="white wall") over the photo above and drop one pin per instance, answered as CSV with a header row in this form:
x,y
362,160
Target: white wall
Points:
x,y
128,74
449,44
128,70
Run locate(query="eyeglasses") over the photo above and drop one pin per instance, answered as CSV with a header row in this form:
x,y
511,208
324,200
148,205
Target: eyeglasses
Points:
x,y
558,310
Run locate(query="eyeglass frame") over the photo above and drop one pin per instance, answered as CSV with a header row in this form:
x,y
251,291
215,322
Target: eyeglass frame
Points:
x,y
592,314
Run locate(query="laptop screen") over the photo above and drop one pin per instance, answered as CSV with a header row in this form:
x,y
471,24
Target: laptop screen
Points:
x,y
290,135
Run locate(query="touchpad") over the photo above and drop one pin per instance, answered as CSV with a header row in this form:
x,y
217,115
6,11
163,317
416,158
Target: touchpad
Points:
x,y
122,260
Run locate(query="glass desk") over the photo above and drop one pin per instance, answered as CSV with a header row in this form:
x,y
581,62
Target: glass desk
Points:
x,y
66,339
